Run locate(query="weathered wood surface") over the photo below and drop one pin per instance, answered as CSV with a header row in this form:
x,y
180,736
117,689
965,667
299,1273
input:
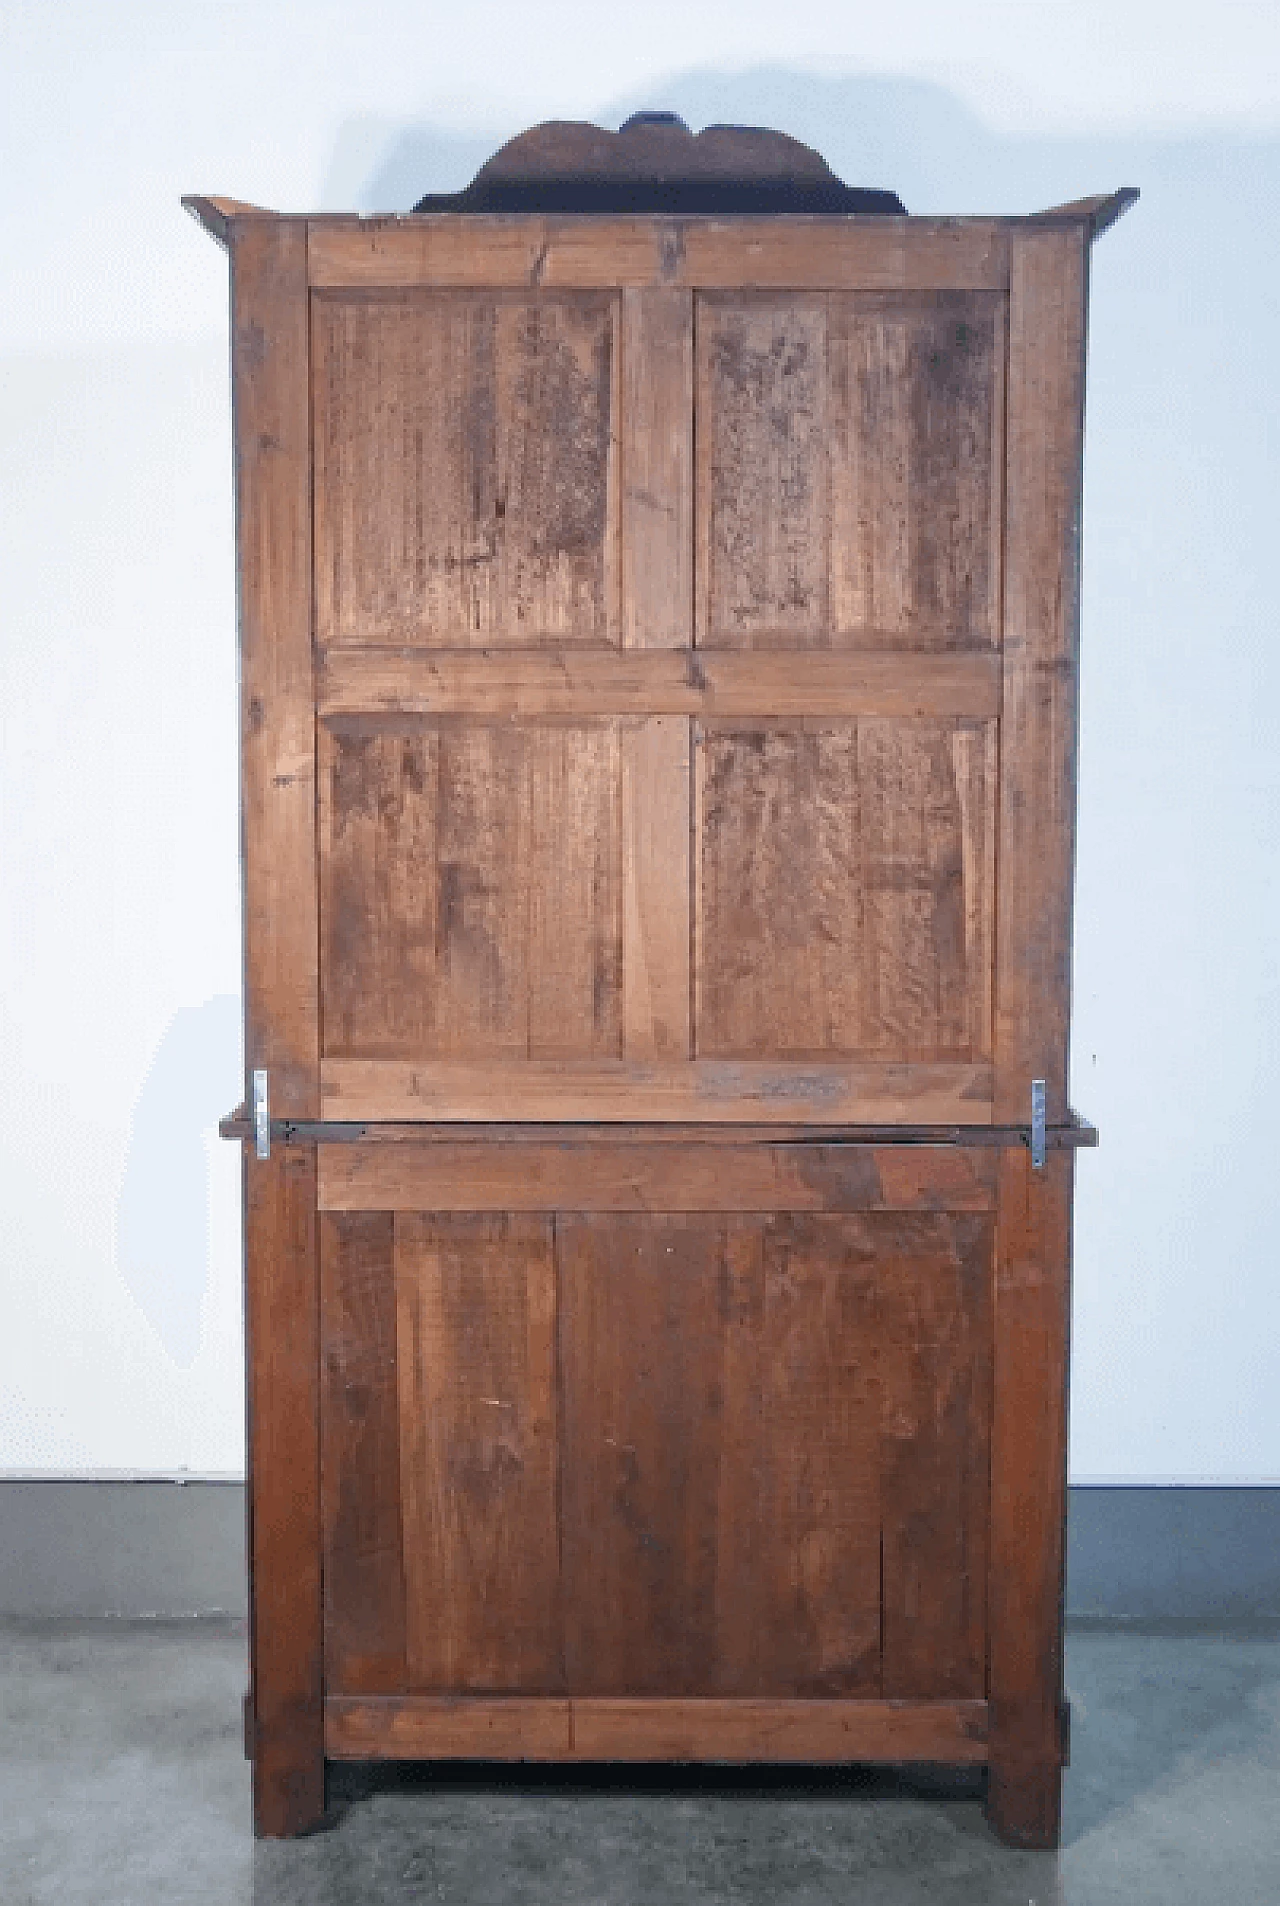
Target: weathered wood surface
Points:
x,y
364,1611
675,681
657,469
1032,1302
476,1302
282,1345
1036,847
710,1090
480,1175
420,1727
270,368
657,1002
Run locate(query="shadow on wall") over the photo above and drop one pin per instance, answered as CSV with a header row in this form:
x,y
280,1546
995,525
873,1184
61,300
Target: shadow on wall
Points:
x,y
162,1225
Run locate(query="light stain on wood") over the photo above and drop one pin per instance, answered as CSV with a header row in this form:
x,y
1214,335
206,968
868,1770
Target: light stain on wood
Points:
x,y
476,1305
464,480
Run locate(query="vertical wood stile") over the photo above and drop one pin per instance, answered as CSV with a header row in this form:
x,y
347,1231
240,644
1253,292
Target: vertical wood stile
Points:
x,y
1028,1496
271,377
1045,397
282,1338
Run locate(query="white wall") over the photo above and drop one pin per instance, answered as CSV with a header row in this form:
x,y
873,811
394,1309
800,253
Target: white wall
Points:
x,y
119,935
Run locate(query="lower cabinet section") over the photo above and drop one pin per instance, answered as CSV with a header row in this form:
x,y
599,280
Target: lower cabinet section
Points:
x,y
691,1454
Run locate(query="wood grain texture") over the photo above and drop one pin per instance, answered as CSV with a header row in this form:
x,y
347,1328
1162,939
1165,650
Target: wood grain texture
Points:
x,y
476,1302
421,1727
364,1633
850,470
846,888
1028,1496
282,1345
705,682
270,371
1038,720
755,1413
657,469
482,1174
566,252
713,1091
464,480
447,1727
471,888
916,443
656,899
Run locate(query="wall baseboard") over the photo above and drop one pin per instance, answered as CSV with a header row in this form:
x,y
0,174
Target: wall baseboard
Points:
x,y
164,1548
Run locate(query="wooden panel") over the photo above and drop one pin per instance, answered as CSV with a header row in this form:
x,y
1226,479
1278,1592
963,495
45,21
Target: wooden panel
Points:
x,y
916,468
873,253
1029,1496
656,899
745,1730
845,889
471,888
282,1350
277,726
754,1416
762,471
1038,723
364,1647
481,1175
934,1300
725,1092
425,1728
463,475
476,1334
707,682
657,469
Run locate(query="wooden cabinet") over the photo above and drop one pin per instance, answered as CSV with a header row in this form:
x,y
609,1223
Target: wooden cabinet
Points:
x,y
658,647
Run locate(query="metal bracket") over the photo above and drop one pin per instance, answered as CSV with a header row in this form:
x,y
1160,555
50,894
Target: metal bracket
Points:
x,y
261,1116
1037,1124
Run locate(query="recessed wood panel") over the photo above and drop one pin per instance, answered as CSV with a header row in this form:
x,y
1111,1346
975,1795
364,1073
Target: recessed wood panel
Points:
x,y
845,889
471,889
849,479
476,1304
464,482
752,1429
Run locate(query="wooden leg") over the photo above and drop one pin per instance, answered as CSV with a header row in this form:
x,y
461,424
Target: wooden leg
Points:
x,y
1024,1802
282,1336
1028,1498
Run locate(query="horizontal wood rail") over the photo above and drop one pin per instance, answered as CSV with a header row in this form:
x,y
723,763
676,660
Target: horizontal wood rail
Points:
x,y
706,682
433,1727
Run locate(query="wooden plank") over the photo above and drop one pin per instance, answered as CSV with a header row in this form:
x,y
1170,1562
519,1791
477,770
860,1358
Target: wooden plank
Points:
x,y
269,349
916,481
446,1727
465,471
472,899
845,889
479,1175
707,683
952,1732
934,1313
1038,719
718,1091
528,250
657,468
422,1727
1028,1496
479,1452
282,1345
364,1642
656,899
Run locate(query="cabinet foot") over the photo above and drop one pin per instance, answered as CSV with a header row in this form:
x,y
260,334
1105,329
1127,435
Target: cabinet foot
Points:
x,y
288,1789
1024,1803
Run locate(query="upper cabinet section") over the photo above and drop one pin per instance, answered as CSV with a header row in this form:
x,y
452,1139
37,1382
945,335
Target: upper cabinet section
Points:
x,y
465,487
849,481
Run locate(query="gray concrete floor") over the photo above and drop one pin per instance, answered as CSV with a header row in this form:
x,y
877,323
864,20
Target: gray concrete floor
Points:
x,y
122,1783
